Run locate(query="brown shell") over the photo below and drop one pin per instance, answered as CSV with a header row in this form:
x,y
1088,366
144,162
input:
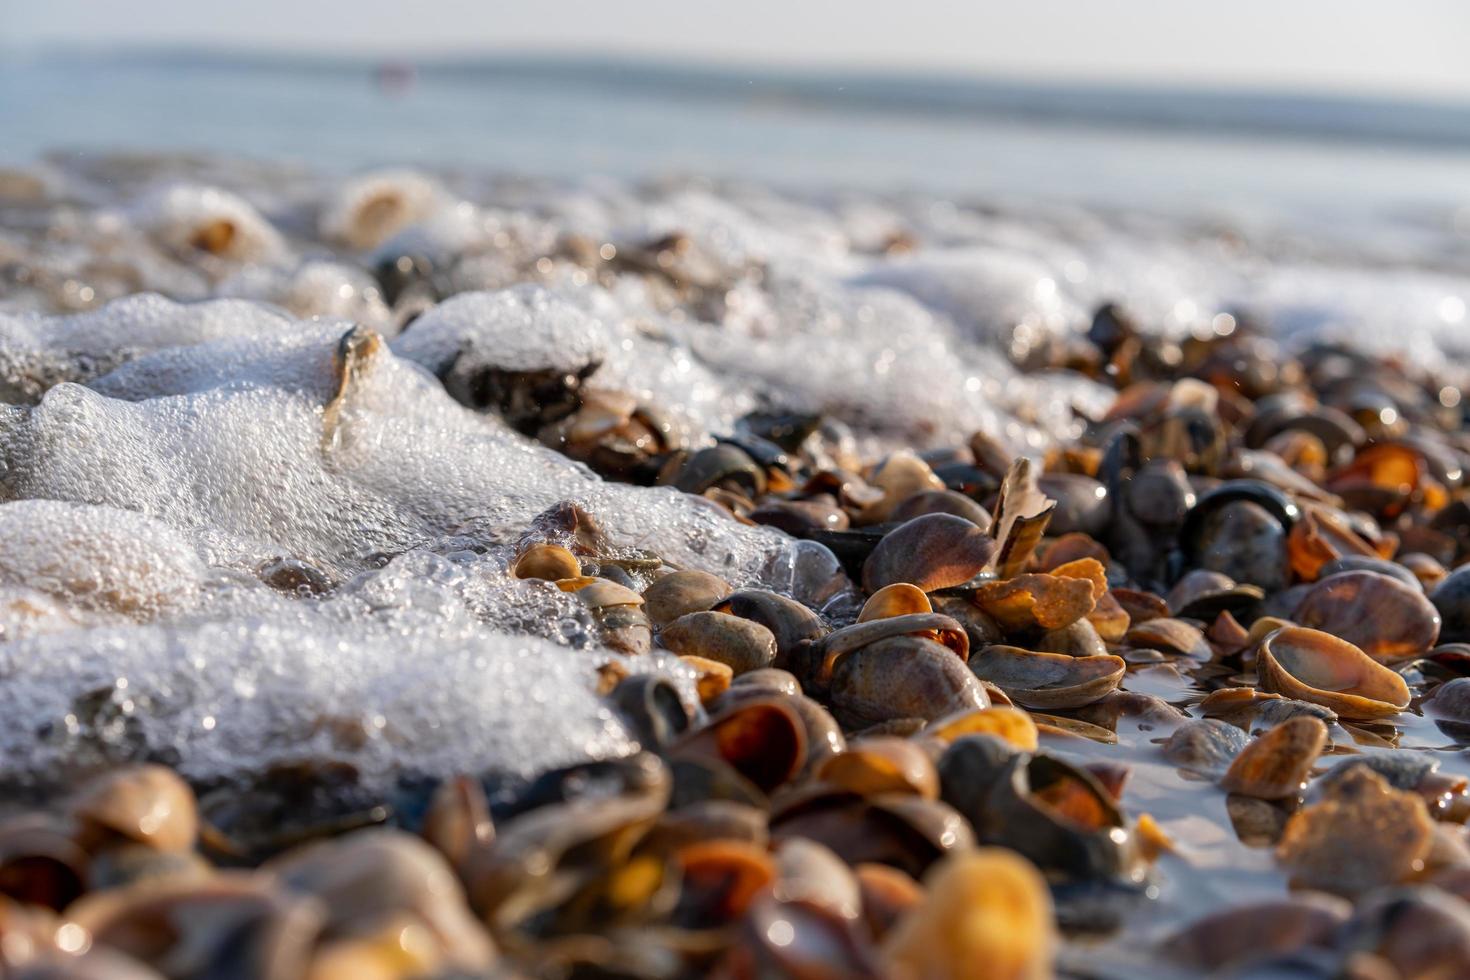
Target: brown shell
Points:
x,y
741,644
679,593
1276,764
1036,601
932,552
1314,666
1048,680
1383,617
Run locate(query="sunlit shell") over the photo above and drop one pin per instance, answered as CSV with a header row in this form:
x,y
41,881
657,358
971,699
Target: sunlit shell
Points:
x,y
1010,724
1364,835
932,552
711,677
987,915
882,764
901,475
1031,601
149,804
1276,764
898,599
1048,680
1314,666
547,561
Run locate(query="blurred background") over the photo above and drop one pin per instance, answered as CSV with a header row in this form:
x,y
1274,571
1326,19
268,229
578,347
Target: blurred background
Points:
x,y
1330,110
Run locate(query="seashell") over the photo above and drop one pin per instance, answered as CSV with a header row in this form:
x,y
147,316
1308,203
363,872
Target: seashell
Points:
x,y
1171,636
763,739
807,871
798,939
719,880
932,552
372,208
379,873
546,561
1365,834
899,476
1022,515
771,680
705,820
899,599
1245,933
1240,529
1416,931
1275,766
1140,606
653,709
1035,601
711,677
791,623
1083,506
887,895
987,913
882,764
940,502
816,666
1204,595
233,924
148,804
1205,745
682,592
1323,535
1452,598
903,831
457,823
725,466
902,677
1379,615
39,864
1080,639
1009,724
1363,563
1048,680
1314,666
742,645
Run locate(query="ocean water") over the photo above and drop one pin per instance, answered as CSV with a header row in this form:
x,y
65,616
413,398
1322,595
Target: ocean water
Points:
x,y
1253,156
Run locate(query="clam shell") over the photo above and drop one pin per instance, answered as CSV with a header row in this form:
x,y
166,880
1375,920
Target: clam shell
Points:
x,y
1048,680
741,644
680,593
1275,765
932,552
1310,665
1033,601
1382,616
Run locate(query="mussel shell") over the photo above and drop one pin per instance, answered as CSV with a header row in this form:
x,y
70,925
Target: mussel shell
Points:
x,y
1017,816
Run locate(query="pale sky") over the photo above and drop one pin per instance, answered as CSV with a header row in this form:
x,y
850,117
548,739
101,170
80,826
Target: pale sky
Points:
x,y
1386,47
